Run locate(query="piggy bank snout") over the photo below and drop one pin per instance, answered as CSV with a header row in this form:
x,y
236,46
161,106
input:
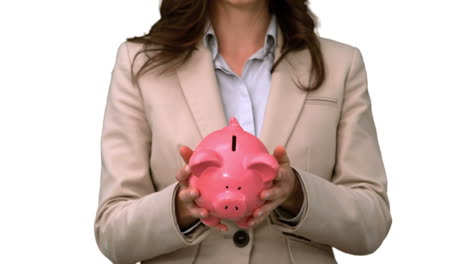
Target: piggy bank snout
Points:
x,y
230,205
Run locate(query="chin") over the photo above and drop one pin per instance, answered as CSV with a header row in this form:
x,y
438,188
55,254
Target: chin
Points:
x,y
241,3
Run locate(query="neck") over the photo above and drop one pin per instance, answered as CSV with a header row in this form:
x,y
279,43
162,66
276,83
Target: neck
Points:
x,y
240,29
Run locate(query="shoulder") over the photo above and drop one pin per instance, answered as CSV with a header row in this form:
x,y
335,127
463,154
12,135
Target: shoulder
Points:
x,y
336,51
129,49
330,46
337,54
133,53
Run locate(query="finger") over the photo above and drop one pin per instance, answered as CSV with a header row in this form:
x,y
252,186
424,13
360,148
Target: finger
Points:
x,y
251,221
280,176
259,212
182,175
274,193
266,209
188,195
204,212
281,155
198,212
186,153
285,174
221,227
255,221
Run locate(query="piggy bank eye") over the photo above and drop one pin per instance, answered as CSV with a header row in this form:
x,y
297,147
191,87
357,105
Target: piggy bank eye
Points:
x,y
227,187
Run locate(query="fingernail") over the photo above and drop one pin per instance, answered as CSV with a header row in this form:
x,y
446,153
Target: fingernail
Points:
x,y
259,213
187,169
193,193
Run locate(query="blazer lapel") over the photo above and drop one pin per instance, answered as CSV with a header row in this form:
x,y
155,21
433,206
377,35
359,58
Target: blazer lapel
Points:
x,y
285,100
199,85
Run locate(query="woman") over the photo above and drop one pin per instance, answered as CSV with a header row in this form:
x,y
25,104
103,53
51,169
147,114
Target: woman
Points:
x,y
304,96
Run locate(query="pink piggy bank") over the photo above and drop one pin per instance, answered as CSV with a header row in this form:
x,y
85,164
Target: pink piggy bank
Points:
x,y
230,168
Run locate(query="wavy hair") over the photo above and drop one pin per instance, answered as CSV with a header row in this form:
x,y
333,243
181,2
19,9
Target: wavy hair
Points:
x,y
174,37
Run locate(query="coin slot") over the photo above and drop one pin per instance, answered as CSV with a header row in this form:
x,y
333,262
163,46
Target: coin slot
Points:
x,y
234,139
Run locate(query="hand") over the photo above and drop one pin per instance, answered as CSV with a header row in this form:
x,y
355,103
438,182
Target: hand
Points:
x,y
187,212
285,192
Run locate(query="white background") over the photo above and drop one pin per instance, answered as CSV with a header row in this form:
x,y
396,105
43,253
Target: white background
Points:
x,y
56,58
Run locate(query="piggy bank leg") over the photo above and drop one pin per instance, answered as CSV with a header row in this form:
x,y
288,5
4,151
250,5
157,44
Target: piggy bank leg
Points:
x,y
243,223
211,221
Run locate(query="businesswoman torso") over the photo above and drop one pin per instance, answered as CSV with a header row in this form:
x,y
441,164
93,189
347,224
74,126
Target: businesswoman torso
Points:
x,y
315,103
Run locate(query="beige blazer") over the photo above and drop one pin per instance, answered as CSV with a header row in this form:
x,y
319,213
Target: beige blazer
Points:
x,y
328,133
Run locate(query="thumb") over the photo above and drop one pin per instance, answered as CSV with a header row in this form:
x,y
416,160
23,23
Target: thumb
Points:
x,y
281,155
186,153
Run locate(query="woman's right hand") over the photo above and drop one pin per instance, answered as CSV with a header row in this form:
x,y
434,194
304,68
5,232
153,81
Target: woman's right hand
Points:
x,y
187,212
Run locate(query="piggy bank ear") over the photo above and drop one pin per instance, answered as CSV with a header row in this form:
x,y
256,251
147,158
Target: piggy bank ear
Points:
x,y
263,163
203,159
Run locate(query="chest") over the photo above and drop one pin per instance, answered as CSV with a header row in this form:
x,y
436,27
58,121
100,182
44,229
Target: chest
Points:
x,y
181,110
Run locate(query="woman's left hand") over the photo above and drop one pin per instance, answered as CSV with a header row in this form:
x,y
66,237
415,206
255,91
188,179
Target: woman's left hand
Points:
x,y
285,192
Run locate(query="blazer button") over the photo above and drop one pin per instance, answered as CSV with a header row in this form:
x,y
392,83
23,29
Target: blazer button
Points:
x,y
241,238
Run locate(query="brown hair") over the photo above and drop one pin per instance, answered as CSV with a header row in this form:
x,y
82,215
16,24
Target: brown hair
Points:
x,y
174,37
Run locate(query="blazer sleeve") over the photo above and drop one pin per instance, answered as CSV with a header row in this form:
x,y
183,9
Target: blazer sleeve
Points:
x,y
134,222
351,212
